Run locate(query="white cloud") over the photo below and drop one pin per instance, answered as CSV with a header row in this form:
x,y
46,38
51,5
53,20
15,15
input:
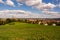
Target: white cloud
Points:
x,y
30,2
21,0
25,14
1,1
33,2
11,13
38,4
52,13
45,6
10,3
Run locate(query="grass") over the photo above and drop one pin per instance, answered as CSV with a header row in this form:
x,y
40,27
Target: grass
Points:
x,y
25,31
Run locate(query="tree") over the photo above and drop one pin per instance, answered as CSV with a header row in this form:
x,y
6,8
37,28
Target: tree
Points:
x,y
8,20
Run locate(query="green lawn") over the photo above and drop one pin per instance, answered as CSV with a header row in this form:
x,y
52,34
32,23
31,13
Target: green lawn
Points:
x,y
25,31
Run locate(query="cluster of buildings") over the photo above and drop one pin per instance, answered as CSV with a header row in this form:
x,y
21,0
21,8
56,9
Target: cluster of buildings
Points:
x,y
46,21
41,21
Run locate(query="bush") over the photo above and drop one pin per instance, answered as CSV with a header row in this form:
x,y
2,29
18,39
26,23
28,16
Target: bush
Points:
x,y
58,24
8,20
2,23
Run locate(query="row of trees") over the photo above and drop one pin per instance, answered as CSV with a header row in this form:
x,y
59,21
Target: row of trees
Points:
x,y
8,20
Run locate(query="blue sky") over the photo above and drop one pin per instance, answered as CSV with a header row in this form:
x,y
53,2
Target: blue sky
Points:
x,y
17,7
52,6
25,7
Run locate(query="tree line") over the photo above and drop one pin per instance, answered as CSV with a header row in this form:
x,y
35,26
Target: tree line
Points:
x,y
41,22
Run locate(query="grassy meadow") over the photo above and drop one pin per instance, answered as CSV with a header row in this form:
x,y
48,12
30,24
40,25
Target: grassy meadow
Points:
x,y
26,31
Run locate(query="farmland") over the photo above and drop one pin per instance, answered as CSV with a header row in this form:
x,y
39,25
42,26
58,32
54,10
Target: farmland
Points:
x,y
26,31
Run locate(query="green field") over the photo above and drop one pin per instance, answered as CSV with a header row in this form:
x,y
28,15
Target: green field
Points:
x,y
25,31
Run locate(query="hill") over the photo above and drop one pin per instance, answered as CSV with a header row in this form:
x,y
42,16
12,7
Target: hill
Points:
x,y
25,31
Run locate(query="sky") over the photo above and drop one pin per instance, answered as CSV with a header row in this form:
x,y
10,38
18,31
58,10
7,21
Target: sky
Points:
x,y
30,8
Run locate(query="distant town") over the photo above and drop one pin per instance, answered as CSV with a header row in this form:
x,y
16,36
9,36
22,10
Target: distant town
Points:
x,y
40,21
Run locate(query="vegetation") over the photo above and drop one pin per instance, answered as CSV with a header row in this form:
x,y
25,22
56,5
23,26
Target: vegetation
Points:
x,y
25,31
8,20
22,29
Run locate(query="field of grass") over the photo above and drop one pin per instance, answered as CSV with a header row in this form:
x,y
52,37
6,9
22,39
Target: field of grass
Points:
x,y
25,31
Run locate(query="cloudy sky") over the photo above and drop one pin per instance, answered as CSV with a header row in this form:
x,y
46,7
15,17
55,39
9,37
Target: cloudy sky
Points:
x,y
30,8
